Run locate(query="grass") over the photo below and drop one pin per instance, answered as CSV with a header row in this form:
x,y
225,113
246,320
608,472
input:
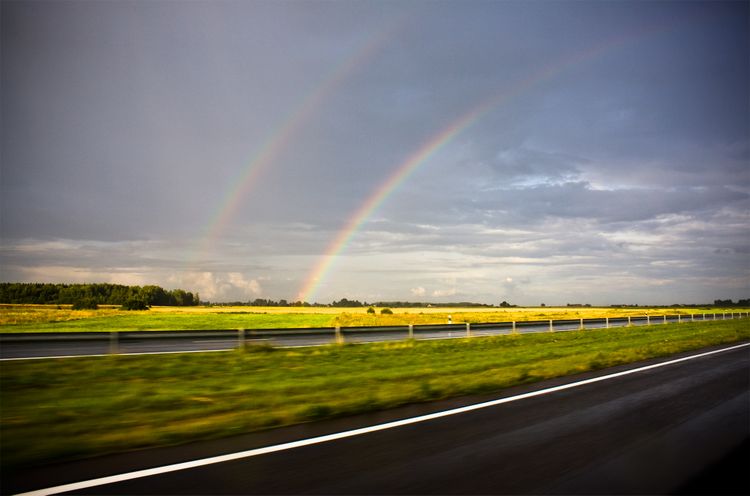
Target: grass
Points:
x,y
50,318
63,409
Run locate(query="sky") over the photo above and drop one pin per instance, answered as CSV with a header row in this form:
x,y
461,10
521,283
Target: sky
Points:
x,y
531,152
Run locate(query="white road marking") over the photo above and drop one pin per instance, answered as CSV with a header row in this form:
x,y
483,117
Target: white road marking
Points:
x,y
116,354
351,433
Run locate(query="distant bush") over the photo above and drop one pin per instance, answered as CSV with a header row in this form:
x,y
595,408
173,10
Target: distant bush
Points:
x,y
370,310
85,304
134,305
386,311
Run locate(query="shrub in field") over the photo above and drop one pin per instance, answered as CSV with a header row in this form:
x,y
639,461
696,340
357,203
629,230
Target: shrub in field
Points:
x,y
371,310
386,311
85,304
134,305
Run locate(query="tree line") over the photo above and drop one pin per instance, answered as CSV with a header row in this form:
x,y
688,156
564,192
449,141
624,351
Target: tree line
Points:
x,y
100,294
347,303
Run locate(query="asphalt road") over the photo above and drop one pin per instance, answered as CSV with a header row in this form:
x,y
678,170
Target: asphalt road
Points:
x,y
14,346
679,428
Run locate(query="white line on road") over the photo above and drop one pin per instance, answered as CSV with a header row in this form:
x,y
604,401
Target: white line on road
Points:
x,y
351,433
116,354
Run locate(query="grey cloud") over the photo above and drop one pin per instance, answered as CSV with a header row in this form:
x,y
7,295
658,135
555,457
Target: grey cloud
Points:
x,y
531,166
620,144
580,200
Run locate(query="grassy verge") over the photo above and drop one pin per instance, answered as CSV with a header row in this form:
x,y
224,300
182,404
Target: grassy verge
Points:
x,y
50,318
55,409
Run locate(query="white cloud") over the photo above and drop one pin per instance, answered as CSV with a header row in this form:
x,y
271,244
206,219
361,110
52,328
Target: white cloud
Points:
x,y
55,274
418,291
444,292
219,286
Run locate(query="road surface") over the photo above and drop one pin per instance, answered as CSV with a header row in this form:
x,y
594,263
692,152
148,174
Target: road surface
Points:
x,y
680,427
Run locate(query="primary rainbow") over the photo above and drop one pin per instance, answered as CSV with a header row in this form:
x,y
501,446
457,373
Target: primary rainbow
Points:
x,y
378,197
435,143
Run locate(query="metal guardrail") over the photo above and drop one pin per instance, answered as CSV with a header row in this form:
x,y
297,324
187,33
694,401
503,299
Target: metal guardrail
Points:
x,y
245,337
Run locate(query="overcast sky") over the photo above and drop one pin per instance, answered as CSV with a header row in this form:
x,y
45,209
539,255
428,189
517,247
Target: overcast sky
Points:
x,y
222,146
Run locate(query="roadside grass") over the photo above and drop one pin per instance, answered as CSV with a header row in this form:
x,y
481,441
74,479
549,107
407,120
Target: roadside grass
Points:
x,y
55,410
51,318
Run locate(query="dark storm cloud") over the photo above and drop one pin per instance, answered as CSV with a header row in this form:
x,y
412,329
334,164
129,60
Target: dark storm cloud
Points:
x,y
127,126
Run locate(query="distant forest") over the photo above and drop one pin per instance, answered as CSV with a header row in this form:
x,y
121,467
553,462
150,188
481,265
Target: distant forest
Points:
x,y
347,303
101,294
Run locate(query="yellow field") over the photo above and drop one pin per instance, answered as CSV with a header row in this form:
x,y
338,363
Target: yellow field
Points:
x,y
176,317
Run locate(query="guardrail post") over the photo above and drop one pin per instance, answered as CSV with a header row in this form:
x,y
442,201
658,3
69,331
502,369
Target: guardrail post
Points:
x,y
714,316
692,318
606,322
629,323
240,339
679,318
665,318
648,320
580,327
411,331
468,330
339,336
114,345
551,327
514,327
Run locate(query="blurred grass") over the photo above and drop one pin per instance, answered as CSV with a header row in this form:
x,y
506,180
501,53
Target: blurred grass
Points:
x,y
50,318
61,409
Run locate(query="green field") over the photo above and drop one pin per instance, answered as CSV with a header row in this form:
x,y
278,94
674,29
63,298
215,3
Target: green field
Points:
x,y
61,409
50,318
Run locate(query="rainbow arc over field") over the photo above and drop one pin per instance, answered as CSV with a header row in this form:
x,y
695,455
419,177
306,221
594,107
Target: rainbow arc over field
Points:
x,y
435,143
280,139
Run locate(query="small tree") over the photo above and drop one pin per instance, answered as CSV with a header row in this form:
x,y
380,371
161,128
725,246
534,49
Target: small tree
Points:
x,y
371,310
85,304
386,311
134,304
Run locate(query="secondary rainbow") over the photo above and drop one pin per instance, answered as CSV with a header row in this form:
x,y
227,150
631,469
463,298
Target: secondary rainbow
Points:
x,y
319,272
282,135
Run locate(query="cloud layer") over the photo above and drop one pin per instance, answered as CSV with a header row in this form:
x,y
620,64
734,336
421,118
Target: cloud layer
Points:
x,y
616,169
